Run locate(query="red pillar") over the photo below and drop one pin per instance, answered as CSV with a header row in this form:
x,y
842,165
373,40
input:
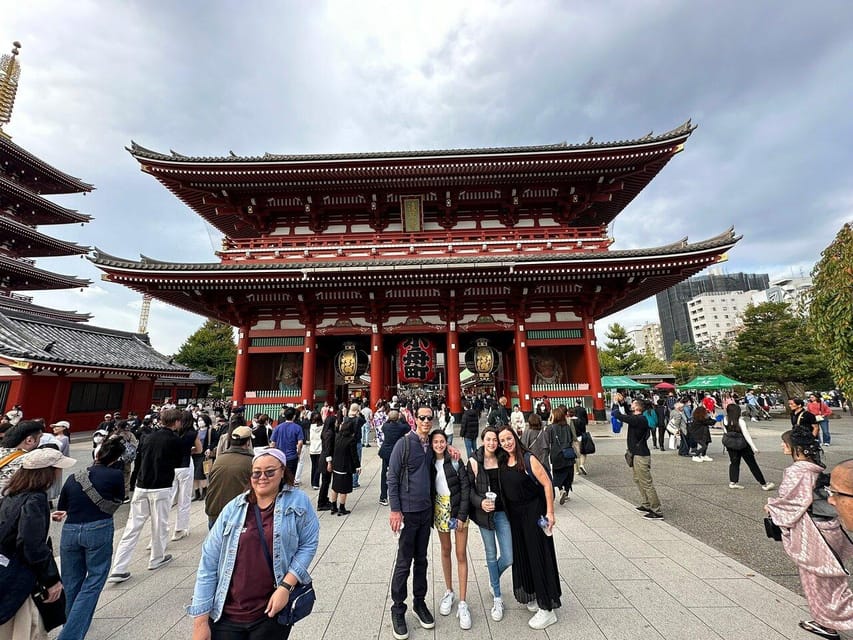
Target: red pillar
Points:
x,y
525,391
451,369
593,370
23,389
60,393
309,366
241,370
377,368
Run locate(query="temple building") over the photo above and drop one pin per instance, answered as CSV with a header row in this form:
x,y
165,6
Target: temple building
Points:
x,y
52,362
409,270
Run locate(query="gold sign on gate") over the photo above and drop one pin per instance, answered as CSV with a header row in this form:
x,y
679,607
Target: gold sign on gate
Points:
x,y
412,210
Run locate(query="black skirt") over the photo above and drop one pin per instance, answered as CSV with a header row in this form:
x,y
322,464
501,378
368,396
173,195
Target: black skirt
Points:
x,y
341,482
198,463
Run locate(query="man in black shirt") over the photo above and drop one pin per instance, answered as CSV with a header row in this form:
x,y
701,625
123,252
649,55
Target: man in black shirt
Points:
x,y
638,435
158,456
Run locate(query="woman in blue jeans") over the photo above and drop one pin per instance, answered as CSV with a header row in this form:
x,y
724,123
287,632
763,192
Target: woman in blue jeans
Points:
x,y
489,514
87,503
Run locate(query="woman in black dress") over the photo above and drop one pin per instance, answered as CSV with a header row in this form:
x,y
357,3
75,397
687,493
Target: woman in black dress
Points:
x,y
528,495
343,465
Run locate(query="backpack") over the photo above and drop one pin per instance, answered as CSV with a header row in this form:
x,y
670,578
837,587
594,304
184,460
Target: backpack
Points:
x,y
528,468
129,454
651,417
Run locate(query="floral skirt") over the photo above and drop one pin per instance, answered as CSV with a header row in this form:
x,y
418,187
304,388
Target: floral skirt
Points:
x,y
441,513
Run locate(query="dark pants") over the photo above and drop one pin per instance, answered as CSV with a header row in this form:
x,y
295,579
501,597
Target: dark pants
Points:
x,y
662,437
411,550
749,458
326,480
263,629
315,469
687,444
292,464
383,481
563,478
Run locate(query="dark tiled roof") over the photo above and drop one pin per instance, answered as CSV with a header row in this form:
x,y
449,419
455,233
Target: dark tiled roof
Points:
x,y
728,237
28,337
39,278
52,179
44,244
141,152
195,377
49,212
15,304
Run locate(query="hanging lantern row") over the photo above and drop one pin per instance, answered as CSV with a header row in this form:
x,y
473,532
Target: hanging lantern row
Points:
x,y
351,362
416,360
482,359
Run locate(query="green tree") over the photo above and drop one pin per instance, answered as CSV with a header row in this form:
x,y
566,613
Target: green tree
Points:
x,y
684,352
211,350
774,350
608,364
652,364
626,359
831,309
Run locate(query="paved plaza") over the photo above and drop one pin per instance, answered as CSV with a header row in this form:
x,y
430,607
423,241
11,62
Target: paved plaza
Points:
x,y
622,576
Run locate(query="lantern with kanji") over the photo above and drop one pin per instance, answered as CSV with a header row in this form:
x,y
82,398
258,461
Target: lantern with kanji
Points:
x,y
482,359
350,362
415,361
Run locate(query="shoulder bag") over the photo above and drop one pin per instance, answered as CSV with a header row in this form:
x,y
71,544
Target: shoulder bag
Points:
x,y
734,440
107,506
302,598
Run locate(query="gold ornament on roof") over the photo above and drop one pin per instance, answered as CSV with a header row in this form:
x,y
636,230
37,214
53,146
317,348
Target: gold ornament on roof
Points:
x,y
10,71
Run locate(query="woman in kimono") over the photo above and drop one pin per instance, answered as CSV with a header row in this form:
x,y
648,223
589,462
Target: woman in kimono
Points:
x,y
816,544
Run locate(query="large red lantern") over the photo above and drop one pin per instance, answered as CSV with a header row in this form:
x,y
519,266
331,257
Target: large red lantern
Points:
x,y
415,361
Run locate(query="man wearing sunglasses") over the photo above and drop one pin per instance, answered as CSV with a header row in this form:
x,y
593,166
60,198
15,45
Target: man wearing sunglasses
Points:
x,y
411,505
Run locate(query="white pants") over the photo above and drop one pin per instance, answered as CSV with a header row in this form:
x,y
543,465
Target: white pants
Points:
x,y
183,488
300,465
146,503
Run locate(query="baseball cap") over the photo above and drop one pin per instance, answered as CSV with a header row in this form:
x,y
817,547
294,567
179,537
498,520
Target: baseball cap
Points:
x,y
241,433
44,458
62,424
278,454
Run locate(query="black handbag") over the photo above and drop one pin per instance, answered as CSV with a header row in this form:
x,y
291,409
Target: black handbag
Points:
x,y
302,598
772,530
52,613
587,443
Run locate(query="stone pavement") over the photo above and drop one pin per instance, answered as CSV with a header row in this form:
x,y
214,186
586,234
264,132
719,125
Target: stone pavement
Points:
x,y
622,577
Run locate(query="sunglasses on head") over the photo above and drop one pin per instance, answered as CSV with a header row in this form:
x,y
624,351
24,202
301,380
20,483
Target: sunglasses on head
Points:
x,y
269,473
424,418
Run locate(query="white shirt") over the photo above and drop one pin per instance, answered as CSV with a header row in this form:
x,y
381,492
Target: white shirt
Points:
x,y
441,486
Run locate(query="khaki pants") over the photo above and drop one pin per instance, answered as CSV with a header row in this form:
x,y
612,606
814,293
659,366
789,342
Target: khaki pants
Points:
x,y
25,625
643,478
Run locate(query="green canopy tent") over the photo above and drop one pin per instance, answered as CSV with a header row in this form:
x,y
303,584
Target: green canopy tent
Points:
x,y
712,382
621,382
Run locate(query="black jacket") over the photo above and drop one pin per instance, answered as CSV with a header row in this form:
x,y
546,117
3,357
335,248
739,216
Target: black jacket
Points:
x,y
158,456
457,481
582,419
24,525
391,432
470,424
638,433
328,437
477,487
345,453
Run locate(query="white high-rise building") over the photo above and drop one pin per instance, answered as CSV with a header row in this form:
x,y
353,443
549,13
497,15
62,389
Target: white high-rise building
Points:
x,y
715,317
648,339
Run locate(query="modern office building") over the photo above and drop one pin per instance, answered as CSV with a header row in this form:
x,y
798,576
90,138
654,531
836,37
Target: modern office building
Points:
x,y
672,303
715,317
648,339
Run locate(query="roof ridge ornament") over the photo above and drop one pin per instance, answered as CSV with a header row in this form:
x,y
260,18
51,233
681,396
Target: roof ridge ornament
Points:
x,y
10,72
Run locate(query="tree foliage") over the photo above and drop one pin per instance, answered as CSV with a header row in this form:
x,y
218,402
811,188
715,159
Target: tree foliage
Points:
x,y
212,350
625,359
774,350
831,311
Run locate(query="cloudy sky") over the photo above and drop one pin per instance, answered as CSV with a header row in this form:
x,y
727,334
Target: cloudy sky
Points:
x,y
768,83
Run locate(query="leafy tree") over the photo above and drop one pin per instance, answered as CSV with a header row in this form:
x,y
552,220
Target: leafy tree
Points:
x,y
774,350
684,370
212,350
608,364
652,364
831,310
684,352
621,348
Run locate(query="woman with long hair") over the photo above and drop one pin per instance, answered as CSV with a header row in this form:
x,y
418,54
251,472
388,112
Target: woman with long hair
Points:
x,y
24,525
345,464
327,437
739,445
203,427
700,432
563,436
450,497
529,496
315,447
817,544
240,588
537,440
487,510
87,503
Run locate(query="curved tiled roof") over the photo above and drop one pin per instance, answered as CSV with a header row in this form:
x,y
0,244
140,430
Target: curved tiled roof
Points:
x,y
45,245
16,304
24,336
52,213
140,152
40,277
53,180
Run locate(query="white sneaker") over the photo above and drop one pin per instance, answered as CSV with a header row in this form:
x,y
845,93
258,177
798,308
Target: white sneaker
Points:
x,y
532,607
697,458
542,619
735,485
464,615
707,459
180,535
753,419
446,604
498,610
768,486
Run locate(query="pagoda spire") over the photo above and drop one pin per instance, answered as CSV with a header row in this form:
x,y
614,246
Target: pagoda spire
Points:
x,y
10,71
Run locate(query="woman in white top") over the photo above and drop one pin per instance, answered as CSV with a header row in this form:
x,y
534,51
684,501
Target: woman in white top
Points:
x,y
516,420
445,422
740,446
315,448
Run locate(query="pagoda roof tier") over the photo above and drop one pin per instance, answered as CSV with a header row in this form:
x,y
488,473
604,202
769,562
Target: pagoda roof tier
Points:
x,y
38,175
20,275
584,184
28,341
31,208
609,280
11,303
23,241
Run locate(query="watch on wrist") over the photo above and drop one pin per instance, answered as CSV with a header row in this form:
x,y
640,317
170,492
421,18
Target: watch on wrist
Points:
x,y
288,586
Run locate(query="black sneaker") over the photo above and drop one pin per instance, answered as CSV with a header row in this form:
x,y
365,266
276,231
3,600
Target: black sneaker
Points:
x,y
383,502
642,509
423,615
652,515
399,627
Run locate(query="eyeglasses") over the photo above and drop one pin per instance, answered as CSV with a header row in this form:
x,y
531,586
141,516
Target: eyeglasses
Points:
x,y
269,473
424,418
832,492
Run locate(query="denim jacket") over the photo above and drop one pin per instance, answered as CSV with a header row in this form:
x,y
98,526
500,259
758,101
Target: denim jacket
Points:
x,y
296,533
